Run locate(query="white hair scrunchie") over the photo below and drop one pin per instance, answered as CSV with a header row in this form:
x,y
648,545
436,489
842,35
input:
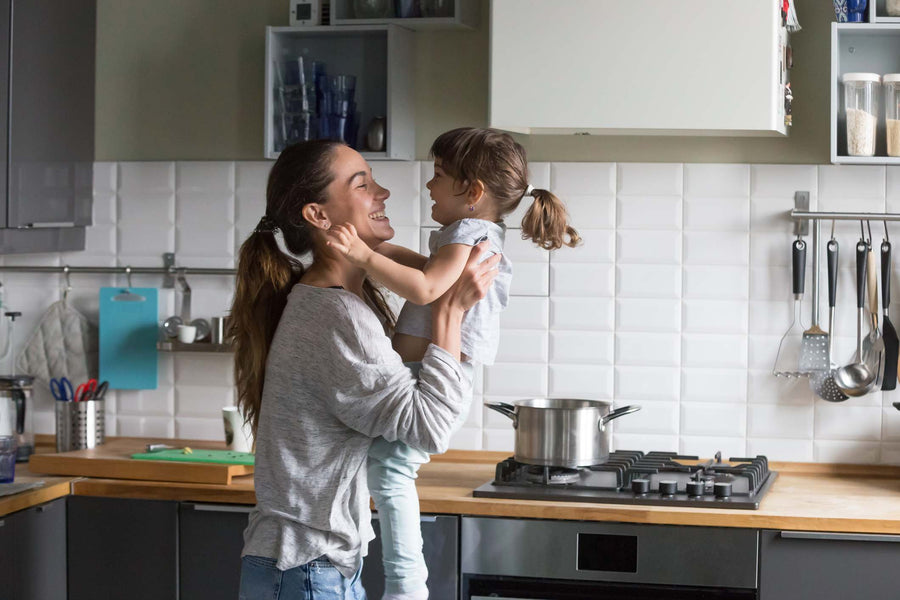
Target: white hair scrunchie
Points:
x,y
528,190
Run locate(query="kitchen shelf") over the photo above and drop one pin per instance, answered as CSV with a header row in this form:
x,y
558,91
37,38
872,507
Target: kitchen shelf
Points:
x,y
877,12
379,56
465,16
867,48
176,346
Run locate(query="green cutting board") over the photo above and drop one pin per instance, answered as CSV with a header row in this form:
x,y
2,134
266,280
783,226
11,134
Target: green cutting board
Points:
x,y
226,457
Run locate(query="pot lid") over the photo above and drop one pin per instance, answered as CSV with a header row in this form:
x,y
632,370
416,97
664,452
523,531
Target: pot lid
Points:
x,y
9,382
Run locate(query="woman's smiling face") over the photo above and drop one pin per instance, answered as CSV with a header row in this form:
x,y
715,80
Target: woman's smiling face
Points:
x,y
354,197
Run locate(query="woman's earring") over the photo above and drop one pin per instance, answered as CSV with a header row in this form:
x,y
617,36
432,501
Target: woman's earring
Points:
x,y
326,225
471,208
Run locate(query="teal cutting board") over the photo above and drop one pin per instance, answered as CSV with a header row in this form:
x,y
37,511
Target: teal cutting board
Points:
x,y
128,334
226,457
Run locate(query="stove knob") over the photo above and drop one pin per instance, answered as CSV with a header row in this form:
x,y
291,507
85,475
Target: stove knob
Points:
x,y
723,489
668,488
640,486
695,488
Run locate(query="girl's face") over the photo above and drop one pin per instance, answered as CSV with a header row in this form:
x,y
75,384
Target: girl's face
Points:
x,y
354,197
449,196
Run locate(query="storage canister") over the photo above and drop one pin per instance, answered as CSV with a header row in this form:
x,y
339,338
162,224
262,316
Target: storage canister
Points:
x,y
861,110
892,112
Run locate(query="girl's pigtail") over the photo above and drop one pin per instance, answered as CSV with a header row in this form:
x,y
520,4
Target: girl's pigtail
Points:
x,y
546,222
265,276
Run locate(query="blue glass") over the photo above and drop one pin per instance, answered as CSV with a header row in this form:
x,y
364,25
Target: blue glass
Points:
x,y
856,11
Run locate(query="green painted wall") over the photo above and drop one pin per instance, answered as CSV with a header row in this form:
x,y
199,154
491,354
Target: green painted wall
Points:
x,y
183,80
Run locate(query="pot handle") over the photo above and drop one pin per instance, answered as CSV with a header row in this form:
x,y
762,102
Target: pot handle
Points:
x,y
503,408
619,412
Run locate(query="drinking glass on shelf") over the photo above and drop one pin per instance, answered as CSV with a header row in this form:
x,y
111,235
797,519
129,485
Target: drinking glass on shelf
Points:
x,y
437,8
372,9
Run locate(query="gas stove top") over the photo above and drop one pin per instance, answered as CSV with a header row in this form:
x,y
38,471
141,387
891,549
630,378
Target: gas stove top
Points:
x,y
633,477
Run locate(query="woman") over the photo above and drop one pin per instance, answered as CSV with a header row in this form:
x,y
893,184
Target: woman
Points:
x,y
317,377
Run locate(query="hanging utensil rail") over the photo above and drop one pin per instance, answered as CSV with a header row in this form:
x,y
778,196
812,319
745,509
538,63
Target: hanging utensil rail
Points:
x,y
801,215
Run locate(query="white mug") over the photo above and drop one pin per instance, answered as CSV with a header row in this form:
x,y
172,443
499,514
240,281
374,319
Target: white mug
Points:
x,y
238,435
187,334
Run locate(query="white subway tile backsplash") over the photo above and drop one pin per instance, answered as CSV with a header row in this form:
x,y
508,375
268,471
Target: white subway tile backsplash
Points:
x,y
721,214
714,316
593,382
647,383
676,300
639,212
650,349
716,419
522,345
716,282
583,178
650,179
715,248
652,315
783,181
841,187
578,347
581,280
648,281
713,385
707,350
649,247
716,181
523,380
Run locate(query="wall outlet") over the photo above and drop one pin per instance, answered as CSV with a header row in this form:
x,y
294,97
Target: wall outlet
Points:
x,y
305,13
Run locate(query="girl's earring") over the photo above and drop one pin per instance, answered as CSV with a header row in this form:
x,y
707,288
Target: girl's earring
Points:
x,y
471,208
326,225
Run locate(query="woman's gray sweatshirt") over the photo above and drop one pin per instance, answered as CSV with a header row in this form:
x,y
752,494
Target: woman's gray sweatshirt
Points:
x,y
333,383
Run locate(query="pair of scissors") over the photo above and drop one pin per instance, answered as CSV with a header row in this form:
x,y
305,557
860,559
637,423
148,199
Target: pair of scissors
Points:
x,y
86,390
98,391
62,389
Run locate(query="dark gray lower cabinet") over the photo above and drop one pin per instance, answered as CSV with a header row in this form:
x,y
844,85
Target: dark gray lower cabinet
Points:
x,y
800,565
122,548
33,555
210,540
440,537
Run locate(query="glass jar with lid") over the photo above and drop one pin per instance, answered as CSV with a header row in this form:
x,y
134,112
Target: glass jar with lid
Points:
x,y
892,112
861,112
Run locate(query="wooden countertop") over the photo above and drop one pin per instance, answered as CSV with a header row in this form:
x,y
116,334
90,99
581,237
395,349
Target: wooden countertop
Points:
x,y
805,496
53,488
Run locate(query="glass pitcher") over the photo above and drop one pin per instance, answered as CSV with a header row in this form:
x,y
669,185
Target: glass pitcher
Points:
x,y
16,412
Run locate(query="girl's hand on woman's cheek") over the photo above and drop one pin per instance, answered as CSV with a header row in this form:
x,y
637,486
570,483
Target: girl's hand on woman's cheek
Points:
x,y
345,240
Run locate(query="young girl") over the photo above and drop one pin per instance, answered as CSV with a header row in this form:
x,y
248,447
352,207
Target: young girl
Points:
x,y
480,176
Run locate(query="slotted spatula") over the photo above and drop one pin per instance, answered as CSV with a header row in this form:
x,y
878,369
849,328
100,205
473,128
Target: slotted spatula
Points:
x,y
889,334
814,355
822,382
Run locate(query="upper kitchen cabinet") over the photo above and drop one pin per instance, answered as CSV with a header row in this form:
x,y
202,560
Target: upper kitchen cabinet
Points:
x,y
639,67
47,83
351,82
412,14
865,51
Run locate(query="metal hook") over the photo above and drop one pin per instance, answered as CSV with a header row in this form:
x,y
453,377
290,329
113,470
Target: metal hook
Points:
x,y
68,283
128,275
869,226
862,231
887,236
833,221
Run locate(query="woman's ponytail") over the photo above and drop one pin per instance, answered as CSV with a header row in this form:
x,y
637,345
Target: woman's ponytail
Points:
x,y
265,276
547,223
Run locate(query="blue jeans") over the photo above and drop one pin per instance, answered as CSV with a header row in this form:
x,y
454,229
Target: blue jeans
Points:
x,y
316,580
392,473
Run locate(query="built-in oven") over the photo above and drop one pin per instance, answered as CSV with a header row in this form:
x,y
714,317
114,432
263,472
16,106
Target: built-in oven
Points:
x,y
556,560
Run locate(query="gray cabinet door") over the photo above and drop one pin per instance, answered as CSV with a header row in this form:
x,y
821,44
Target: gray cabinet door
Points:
x,y
211,537
122,548
51,107
440,537
33,555
815,565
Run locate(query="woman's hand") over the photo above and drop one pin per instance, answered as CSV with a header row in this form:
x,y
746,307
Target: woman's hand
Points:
x,y
474,281
345,240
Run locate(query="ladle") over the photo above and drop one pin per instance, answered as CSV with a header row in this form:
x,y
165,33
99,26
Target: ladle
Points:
x,y
857,379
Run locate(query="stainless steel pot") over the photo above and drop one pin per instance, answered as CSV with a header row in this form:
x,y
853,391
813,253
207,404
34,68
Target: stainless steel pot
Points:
x,y
561,432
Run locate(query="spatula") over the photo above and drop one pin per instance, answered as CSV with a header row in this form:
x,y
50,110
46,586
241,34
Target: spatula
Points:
x,y
889,334
814,344
822,382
